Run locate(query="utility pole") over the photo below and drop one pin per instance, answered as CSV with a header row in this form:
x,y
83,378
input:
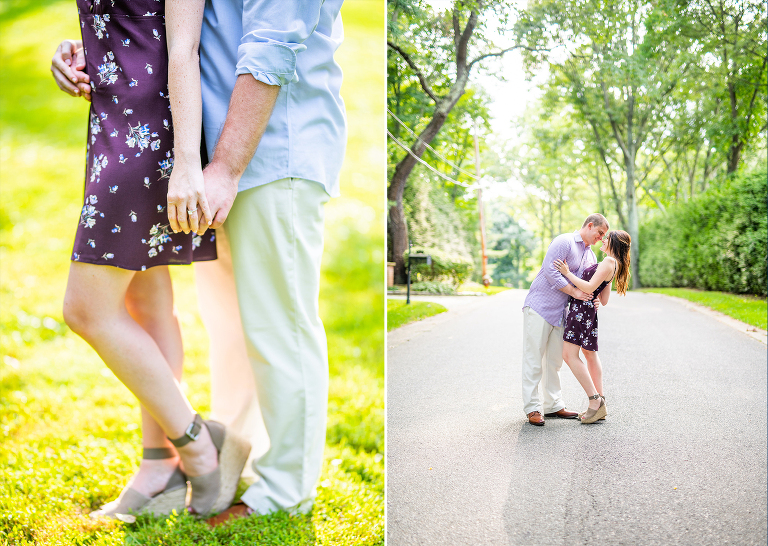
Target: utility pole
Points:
x,y
486,277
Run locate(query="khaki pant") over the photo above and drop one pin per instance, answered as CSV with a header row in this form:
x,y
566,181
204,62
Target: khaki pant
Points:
x,y
269,377
542,360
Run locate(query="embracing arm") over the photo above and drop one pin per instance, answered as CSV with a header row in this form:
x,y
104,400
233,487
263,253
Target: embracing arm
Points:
x,y
186,188
558,250
603,273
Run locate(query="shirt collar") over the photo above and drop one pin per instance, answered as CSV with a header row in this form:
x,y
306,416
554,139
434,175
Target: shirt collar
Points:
x,y
578,239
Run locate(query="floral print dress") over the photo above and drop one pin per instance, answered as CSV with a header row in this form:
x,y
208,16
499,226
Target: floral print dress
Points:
x,y
129,155
581,321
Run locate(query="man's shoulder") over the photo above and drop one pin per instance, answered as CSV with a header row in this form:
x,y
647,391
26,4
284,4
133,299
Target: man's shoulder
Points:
x,y
563,238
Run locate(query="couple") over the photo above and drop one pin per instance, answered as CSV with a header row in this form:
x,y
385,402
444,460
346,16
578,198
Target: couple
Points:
x,y
265,77
570,278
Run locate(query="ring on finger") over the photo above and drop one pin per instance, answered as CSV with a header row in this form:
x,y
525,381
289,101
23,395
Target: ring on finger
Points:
x,y
192,211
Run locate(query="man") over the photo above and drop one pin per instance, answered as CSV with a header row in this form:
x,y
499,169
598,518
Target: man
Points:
x,y
544,316
274,61
275,130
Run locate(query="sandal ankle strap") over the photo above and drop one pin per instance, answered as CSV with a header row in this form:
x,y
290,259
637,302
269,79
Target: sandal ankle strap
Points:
x,y
192,432
595,397
152,453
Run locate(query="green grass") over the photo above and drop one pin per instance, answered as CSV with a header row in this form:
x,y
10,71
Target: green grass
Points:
x,y
750,309
477,287
69,431
400,314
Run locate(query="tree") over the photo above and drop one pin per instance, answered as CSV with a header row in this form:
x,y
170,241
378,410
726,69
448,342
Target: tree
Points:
x,y
731,36
440,50
616,65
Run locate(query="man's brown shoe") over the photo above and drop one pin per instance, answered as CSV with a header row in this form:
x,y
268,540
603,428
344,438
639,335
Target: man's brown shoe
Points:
x,y
563,414
239,510
535,418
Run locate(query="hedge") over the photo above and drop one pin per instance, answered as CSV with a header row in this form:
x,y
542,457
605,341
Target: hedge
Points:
x,y
716,241
454,269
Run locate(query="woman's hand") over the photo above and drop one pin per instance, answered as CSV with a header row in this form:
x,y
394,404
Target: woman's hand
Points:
x,y
562,267
67,67
188,208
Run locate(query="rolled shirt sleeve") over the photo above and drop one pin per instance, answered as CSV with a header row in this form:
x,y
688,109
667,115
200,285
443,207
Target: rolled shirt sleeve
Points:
x,y
273,35
558,250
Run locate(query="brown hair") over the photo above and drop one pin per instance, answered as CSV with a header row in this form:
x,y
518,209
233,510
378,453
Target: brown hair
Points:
x,y
597,219
619,243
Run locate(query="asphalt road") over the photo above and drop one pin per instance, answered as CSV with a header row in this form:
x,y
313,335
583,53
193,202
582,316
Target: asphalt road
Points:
x,y
680,459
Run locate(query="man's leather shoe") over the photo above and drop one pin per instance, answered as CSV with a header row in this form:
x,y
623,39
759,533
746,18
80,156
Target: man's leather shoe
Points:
x,y
239,510
535,418
563,414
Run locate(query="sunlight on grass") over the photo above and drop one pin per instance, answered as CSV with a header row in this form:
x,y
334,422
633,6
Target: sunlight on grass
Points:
x,y
477,287
399,314
69,430
750,309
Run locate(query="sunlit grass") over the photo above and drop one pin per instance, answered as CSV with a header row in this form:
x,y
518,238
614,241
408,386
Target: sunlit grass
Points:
x,y
750,309
69,431
399,313
477,287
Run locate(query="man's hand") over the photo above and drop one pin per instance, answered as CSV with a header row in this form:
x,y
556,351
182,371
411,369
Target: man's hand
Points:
x,y
67,67
221,190
597,303
579,295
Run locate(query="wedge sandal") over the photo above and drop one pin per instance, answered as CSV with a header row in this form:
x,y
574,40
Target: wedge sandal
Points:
x,y
131,503
215,491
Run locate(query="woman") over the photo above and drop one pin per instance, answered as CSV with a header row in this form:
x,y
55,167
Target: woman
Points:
x,y
580,331
119,294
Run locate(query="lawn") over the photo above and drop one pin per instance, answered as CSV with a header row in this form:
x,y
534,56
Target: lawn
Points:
x,y
477,287
750,309
69,431
400,314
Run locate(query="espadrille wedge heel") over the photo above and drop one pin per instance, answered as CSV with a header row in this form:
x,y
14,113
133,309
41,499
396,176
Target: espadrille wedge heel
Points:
x,y
214,492
131,503
590,416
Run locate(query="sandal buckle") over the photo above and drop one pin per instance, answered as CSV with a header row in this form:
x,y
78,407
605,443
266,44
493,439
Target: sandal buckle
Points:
x,y
193,430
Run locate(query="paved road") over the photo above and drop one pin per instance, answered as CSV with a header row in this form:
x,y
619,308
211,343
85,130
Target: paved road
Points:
x,y
687,409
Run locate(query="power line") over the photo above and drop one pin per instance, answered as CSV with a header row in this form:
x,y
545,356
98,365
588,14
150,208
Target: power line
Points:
x,y
427,165
430,147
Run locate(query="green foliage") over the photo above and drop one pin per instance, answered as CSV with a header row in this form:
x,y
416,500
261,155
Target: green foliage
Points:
x,y
510,246
433,287
445,267
716,241
400,314
750,309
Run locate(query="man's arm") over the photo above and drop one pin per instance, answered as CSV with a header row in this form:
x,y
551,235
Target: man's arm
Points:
x,y
249,111
273,35
558,250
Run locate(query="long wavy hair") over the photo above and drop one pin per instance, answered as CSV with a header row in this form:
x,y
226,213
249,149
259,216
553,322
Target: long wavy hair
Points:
x,y
619,243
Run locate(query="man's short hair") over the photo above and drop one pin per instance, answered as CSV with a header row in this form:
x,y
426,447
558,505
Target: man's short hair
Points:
x,y
597,219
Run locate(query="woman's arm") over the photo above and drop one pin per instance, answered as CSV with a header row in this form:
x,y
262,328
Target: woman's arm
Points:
x,y
186,188
603,273
605,293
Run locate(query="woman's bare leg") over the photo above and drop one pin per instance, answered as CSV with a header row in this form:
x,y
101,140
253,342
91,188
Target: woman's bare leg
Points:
x,y
595,369
149,301
95,308
580,371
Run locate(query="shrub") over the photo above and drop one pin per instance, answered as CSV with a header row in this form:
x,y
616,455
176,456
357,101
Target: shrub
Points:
x,y
445,268
433,287
716,241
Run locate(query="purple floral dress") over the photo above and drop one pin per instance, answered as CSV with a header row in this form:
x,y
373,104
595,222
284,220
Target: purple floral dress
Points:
x,y
123,222
581,321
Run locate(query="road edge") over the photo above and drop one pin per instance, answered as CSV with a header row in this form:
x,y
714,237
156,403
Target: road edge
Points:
x,y
752,331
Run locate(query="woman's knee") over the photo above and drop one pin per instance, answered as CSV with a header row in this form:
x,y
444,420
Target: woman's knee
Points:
x,y
79,315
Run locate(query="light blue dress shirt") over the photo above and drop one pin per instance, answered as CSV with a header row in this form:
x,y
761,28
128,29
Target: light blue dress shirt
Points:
x,y
289,43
